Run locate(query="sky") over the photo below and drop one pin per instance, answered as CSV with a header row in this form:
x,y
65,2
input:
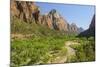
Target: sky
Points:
x,y
81,15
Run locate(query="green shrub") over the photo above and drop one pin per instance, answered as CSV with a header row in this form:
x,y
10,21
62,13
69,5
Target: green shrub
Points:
x,y
85,51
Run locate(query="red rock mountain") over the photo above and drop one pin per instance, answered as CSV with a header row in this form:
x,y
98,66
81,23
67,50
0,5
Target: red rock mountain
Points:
x,y
54,21
23,10
29,12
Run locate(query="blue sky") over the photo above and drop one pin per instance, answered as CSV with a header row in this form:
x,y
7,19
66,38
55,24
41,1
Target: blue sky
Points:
x,y
78,14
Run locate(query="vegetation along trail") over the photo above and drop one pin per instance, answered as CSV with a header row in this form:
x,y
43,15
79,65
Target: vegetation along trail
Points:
x,y
69,54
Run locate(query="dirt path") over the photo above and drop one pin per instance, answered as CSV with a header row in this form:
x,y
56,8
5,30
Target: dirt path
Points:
x,y
70,52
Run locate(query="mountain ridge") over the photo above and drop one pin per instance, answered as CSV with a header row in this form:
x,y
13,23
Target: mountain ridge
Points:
x,y
29,12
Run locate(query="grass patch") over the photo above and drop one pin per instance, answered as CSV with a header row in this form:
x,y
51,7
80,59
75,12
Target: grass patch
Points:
x,y
85,51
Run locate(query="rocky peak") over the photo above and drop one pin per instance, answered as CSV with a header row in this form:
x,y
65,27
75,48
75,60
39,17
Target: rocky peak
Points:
x,y
80,29
55,21
54,14
53,11
73,24
74,28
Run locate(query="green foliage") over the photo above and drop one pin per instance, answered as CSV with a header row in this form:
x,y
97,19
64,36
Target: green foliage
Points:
x,y
85,51
26,52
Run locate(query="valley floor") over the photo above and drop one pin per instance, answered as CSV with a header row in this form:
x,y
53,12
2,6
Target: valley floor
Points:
x,y
31,49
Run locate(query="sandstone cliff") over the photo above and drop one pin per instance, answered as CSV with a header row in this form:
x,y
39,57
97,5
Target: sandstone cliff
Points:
x,y
29,12
54,21
23,10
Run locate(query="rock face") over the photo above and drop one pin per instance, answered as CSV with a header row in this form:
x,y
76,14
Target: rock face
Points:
x,y
74,28
29,12
54,21
23,10
80,30
91,30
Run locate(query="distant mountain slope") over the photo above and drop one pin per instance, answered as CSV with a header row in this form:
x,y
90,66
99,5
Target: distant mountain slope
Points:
x,y
91,30
29,12
80,30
